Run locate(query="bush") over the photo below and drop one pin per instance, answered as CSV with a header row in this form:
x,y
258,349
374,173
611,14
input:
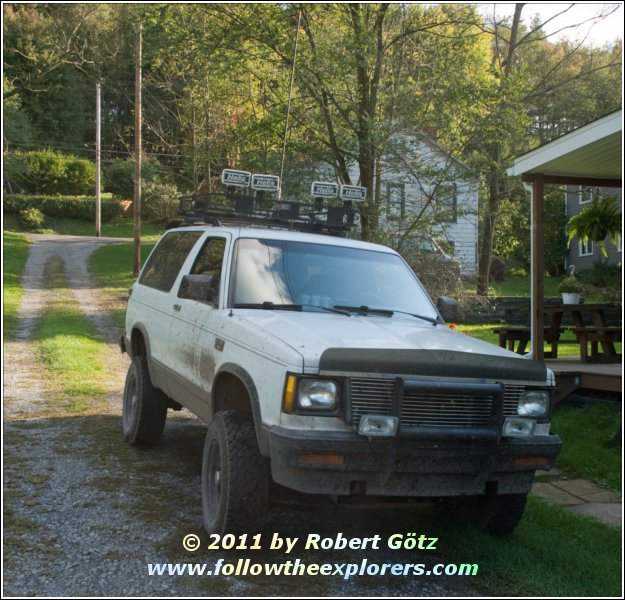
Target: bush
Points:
x,y
603,274
47,172
119,176
160,201
77,207
439,275
31,218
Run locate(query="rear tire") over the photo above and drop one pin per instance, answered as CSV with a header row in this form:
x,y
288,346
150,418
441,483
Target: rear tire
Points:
x,y
145,407
234,476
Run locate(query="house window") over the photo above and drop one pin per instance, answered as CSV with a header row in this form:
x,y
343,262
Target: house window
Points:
x,y
396,200
586,248
448,202
587,194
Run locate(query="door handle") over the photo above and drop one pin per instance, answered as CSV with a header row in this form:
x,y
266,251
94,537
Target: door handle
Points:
x,y
177,307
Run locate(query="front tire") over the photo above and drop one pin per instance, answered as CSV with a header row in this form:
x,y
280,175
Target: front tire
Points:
x,y
234,476
145,407
496,514
505,514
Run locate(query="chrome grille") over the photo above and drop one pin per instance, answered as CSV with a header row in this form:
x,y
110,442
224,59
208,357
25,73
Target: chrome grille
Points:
x,y
375,396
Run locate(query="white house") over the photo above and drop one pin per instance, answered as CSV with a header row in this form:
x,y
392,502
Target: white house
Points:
x,y
428,193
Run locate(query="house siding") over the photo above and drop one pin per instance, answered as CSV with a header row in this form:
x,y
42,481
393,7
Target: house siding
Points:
x,y
461,232
574,207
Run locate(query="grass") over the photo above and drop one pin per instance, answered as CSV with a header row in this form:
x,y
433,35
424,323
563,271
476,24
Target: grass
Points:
x,y
15,253
588,450
68,345
121,227
112,267
521,286
553,552
485,332
515,286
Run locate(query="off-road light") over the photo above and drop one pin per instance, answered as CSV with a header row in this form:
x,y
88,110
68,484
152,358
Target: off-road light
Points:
x,y
514,427
378,426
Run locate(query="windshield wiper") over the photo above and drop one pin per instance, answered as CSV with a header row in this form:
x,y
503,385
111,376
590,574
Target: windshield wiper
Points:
x,y
296,307
268,306
336,309
385,312
366,310
432,320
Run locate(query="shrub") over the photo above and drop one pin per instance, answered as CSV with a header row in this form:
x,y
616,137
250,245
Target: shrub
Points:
x,y
603,274
439,275
160,201
119,176
31,218
77,207
47,172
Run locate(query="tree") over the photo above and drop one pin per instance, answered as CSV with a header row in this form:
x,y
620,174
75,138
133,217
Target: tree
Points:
x,y
528,84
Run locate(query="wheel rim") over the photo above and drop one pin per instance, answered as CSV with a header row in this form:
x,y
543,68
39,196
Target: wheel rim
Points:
x,y
131,402
214,479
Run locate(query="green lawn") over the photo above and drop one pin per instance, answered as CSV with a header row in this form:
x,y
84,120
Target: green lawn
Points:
x,y
553,552
521,286
112,266
121,227
589,450
485,332
516,286
15,253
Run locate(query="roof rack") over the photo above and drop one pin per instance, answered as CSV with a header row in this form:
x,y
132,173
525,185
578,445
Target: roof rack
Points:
x,y
233,208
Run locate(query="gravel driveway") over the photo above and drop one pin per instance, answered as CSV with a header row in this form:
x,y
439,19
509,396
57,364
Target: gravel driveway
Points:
x,y
84,514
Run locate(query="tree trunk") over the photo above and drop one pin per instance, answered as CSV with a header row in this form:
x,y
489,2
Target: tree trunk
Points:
x,y
488,234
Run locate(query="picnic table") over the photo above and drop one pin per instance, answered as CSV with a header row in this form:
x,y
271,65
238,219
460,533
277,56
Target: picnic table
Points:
x,y
590,324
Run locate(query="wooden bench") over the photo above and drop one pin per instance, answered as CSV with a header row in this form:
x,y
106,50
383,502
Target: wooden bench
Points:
x,y
510,335
606,336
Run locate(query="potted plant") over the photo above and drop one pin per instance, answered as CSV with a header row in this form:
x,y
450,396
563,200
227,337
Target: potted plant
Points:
x,y
571,290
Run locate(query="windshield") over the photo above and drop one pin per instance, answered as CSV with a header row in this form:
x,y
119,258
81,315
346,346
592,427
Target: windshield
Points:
x,y
317,275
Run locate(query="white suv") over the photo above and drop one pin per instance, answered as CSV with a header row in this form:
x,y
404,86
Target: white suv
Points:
x,y
322,363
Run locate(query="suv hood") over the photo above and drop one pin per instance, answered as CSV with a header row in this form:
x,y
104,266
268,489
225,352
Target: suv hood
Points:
x,y
312,333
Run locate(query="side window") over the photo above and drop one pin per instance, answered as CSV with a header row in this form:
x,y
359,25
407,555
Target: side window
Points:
x,y
448,199
164,264
208,265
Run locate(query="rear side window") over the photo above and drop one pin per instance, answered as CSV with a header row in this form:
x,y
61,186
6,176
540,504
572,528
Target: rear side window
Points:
x,y
165,263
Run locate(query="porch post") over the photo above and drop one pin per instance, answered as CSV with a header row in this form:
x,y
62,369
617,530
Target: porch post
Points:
x,y
538,268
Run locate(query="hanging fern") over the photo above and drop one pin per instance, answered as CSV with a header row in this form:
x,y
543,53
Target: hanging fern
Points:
x,y
598,221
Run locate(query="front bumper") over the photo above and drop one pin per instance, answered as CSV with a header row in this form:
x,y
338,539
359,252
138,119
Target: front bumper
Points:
x,y
417,465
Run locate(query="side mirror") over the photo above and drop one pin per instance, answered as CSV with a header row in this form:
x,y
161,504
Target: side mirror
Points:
x,y
202,288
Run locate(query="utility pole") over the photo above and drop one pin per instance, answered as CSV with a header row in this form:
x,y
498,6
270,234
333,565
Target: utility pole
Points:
x,y
137,195
98,204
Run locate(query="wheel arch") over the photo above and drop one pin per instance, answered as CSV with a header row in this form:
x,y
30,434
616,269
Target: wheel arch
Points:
x,y
139,341
229,382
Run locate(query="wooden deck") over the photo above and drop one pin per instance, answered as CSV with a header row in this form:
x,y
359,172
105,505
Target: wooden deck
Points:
x,y
572,374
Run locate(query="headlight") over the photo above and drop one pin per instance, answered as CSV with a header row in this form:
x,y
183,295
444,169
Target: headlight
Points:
x,y
533,403
317,394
